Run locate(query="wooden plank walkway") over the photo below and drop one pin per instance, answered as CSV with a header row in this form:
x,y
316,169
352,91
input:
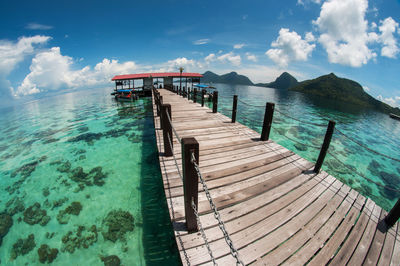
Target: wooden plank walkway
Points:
x,y
274,208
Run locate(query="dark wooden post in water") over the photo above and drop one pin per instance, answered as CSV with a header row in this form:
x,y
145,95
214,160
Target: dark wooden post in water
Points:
x,y
190,181
203,92
194,95
269,113
234,108
325,146
215,102
167,129
393,215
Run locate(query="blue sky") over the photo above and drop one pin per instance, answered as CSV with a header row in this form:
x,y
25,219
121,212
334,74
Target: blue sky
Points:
x,y
48,46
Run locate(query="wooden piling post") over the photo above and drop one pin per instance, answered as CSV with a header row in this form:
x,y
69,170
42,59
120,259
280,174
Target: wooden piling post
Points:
x,y
194,95
325,146
234,108
215,101
190,181
269,113
393,215
167,129
203,92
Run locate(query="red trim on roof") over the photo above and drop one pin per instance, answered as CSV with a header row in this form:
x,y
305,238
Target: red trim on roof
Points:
x,y
157,75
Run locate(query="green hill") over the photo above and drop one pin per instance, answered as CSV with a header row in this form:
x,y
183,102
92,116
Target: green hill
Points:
x,y
344,91
229,78
283,82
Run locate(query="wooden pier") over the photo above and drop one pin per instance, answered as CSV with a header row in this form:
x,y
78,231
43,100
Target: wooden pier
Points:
x,y
274,207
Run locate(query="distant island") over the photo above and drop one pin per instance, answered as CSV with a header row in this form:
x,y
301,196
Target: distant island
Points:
x,y
284,81
328,86
342,90
229,78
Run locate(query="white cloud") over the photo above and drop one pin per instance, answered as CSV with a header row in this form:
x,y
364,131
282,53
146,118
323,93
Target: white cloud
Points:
x,y
367,89
387,28
50,70
304,2
13,53
251,57
201,41
343,31
210,58
392,101
238,46
230,57
289,46
37,26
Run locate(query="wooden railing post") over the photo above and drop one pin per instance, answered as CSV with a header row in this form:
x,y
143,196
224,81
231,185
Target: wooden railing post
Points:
x,y
269,113
203,92
325,146
194,95
167,129
190,181
393,215
215,101
159,103
234,108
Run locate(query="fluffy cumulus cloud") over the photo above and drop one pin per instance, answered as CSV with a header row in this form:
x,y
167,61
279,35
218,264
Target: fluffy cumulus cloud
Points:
x,y
210,58
50,70
388,28
13,53
343,29
304,2
231,58
289,46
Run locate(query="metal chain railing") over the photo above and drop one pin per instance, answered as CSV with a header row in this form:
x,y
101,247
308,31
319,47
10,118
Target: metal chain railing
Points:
x,y
217,216
173,129
360,174
365,147
298,120
203,234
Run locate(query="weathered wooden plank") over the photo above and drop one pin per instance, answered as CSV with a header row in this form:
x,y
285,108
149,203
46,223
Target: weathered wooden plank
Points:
x,y
396,250
352,241
307,251
377,243
306,232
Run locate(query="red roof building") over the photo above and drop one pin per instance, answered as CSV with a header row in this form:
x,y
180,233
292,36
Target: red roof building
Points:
x,y
157,75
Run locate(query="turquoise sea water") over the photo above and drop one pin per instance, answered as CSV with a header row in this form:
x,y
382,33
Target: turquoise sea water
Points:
x,y
74,170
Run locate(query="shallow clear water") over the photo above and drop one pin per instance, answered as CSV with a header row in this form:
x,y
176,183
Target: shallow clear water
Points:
x,y
83,147
374,130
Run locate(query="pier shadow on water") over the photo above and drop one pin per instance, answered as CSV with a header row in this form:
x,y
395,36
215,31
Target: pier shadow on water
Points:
x,y
158,238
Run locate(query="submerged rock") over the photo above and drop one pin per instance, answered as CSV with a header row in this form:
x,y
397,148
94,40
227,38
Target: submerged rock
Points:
x,y
15,205
35,215
81,238
64,215
6,222
112,260
118,222
87,137
47,254
23,246
25,170
65,167
59,202
94,177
